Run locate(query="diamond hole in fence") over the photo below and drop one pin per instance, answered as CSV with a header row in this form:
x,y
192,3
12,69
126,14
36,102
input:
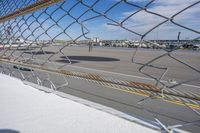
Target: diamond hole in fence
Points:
x,y
121,11
141,22
78,10
188,18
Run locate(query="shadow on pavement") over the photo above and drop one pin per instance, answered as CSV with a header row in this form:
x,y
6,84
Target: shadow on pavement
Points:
x,y
8,131
39,52
91,58
67,61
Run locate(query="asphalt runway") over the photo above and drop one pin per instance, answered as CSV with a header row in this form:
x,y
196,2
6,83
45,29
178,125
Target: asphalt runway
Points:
x,y
118,60
116,63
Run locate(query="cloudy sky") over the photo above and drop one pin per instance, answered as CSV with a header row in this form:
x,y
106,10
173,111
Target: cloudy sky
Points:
x,y
142,21
105,28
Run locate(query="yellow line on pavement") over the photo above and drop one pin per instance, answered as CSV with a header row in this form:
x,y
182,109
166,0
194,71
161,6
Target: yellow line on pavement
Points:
x,y
67,73
194,106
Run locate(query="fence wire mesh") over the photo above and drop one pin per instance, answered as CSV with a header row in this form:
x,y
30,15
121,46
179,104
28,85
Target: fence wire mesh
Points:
x,y
52,43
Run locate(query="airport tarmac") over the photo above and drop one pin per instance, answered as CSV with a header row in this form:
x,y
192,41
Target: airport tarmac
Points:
x,y
116,63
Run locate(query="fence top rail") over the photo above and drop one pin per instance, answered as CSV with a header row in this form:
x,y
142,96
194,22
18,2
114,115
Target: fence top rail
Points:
x,y
28,9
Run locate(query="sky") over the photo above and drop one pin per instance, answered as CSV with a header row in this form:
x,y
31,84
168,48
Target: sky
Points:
x,y
103,27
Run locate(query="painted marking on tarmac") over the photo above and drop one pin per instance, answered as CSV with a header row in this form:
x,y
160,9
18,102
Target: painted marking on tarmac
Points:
x,y
194,106
176,101
127,75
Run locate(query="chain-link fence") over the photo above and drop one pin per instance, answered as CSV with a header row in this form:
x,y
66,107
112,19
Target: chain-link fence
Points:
x,y
69,46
